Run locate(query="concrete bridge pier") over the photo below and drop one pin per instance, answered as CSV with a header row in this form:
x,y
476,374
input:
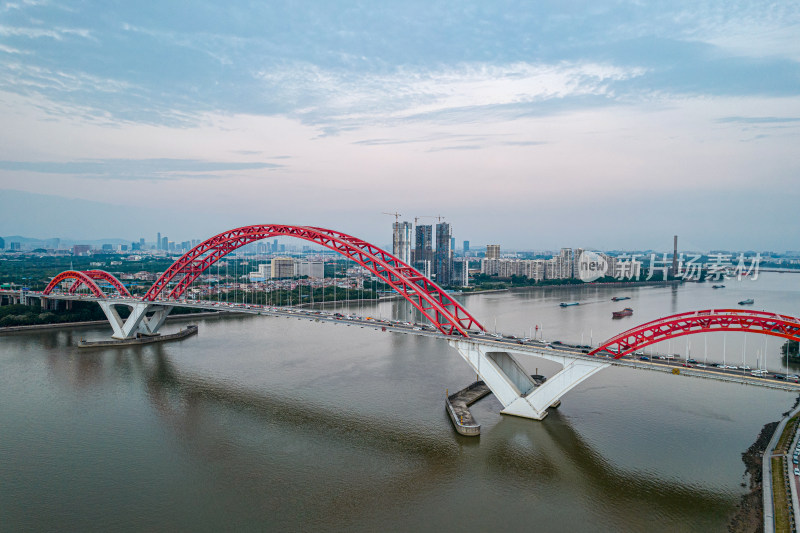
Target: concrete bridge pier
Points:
x,y
48,304
145,318
514,387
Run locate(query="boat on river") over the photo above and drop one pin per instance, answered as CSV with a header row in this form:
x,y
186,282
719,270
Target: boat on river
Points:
x,y
749,301
620,298
568,304
625,312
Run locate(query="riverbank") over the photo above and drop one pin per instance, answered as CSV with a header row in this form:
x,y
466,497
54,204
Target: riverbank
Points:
x,y
616,284
91,323
749,515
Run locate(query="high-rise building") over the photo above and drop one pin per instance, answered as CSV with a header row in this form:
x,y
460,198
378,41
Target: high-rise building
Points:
x,y
567,263
164,243
466,247
423,251
461,272
2,243
576,266
282,267
492,251
16,247
401,241
158,241
443,258
312,269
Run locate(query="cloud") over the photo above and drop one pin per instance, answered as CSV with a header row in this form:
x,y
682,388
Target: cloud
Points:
x,y
42,79
408,92
136,169
9,50
58,33
759,120
340,67
427,139
462,147
384,142
524,143
9,6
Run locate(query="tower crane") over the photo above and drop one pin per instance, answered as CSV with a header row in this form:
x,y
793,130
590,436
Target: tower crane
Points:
x,y
438,217
396,215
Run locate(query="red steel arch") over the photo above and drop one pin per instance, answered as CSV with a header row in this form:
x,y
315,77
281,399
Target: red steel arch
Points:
x,y
413,275
105,276
76,275
445,313
709,320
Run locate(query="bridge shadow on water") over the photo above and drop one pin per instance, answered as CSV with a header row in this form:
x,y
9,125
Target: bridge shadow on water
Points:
x,y
525,451
523,455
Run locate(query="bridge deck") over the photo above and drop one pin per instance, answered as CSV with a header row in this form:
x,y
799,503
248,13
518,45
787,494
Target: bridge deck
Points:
x,y
499,342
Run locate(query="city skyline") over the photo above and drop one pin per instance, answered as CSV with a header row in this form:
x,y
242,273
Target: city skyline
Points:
x,y
612,126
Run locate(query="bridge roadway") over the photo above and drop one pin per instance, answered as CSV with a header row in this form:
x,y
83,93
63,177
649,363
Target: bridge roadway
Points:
x,y
492,341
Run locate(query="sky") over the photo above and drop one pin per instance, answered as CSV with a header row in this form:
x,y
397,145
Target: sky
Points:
x,y
603,124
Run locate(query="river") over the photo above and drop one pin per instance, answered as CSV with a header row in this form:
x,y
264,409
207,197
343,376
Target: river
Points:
x,y
264,423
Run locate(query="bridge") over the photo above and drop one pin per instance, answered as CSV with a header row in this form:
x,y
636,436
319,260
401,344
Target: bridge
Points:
x,y
493,357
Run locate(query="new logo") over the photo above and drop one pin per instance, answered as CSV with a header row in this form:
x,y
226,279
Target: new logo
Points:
x,y
591,266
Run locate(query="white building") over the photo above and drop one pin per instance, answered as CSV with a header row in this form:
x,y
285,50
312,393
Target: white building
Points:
x,y
312,269
401,241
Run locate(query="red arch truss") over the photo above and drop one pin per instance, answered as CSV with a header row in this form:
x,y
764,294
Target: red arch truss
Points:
x,y
784,326
81,277
105,276
431,300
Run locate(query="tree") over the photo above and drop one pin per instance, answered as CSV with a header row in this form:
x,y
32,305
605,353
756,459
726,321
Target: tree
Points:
x,y
792,347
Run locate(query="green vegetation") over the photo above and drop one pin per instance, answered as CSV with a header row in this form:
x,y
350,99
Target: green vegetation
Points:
x,y
27,315
31,315
486,282
780,499
792,347
35,272
780,495
786,437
